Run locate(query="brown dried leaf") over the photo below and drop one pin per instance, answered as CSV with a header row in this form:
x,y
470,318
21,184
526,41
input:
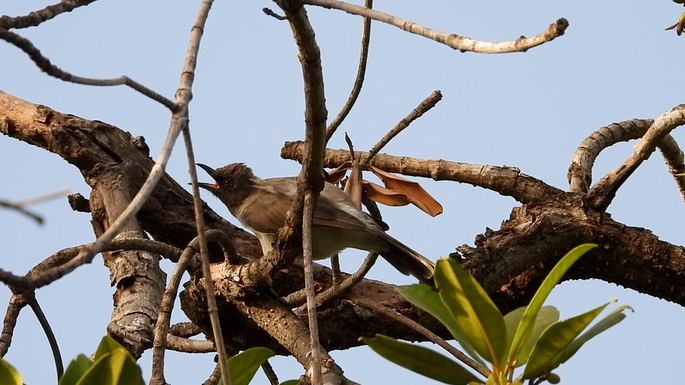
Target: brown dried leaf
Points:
x,y
353,185
414,192
384,195
334,176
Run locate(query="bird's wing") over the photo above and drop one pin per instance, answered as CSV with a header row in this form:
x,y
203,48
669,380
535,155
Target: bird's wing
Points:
x,y
335,209
265,210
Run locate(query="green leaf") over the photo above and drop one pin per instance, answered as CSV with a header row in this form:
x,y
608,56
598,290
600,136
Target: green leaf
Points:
x,y
107,345
115,368
76,369
549,350
476,314
243,366
546,317
528,321
428,300
421,360
9,375
605,323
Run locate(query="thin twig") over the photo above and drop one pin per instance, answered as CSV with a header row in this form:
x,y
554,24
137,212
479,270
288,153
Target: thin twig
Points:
x,y
336,290
159,340
270,373
43,198
184,94
35,18
212,308
310,180
452,40
20,209
416,113
309,284
397,317
270,12
67,260
49,334
20,205
161,332
52,70
359,79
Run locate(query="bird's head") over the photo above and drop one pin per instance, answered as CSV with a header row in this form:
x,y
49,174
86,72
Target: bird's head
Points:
x,y
232,183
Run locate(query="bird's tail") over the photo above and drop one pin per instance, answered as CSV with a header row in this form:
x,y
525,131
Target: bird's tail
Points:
x,y
408,261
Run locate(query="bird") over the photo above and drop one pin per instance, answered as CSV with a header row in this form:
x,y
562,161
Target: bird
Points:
x,y
261,206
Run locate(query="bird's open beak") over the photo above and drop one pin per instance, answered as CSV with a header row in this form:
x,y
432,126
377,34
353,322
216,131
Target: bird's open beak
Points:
x,y
210,171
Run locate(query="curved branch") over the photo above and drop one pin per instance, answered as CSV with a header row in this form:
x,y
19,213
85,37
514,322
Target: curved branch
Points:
x,y
509,181
52,70
16,303
462,43
580,170
21,210
601,195
35,18
161,332
359,79
49,334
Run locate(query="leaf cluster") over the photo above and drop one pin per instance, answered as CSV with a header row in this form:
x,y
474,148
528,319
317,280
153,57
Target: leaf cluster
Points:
x,y
531,337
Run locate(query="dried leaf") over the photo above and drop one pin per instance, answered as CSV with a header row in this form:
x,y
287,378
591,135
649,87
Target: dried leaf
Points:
x,y
353,185
383,195
334,176
414,192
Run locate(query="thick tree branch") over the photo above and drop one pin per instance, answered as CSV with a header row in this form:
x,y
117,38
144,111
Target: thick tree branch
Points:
x,y
508,181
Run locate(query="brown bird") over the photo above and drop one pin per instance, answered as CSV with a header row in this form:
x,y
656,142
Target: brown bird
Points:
x,y
261,205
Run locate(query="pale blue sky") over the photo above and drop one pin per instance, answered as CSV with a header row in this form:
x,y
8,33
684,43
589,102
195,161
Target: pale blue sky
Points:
x,y
528,110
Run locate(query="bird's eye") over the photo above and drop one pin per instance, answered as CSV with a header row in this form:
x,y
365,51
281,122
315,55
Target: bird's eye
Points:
x,y
227,182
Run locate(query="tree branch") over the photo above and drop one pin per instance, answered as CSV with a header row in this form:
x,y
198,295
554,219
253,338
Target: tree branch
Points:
x,y
52,70
358,80
452,40
601,195
509,181
35,18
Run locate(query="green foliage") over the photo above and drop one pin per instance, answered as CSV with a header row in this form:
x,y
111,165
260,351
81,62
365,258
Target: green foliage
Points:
x,y
113,365
9,375
532,336
420,360
242,367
